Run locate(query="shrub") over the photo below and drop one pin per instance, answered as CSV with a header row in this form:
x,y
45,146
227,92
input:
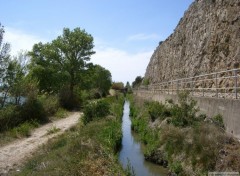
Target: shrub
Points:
x,y
157,110
33,109
218,120
173,139
61,113
146,81
67,100
53,130
176,167
9,117
95,109
50,104
13,115
184,113
24,130
113,135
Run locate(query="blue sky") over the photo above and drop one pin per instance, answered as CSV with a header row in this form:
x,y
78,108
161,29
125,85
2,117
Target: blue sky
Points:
x,y
125,32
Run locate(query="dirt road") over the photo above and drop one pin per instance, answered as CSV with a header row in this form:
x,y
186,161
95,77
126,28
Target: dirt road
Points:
x,y
14,153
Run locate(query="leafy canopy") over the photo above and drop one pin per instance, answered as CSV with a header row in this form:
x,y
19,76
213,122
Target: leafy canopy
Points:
x,y
62,61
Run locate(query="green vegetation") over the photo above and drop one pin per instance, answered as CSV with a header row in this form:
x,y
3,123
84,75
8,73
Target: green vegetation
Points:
x,y
24,130
137,82
117,86
177,135
53,130
146,81
83,150
218,119
41,84
95,109
157,110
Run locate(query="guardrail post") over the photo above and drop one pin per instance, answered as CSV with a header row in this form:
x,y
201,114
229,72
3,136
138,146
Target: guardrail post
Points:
x,y
235,84
216,85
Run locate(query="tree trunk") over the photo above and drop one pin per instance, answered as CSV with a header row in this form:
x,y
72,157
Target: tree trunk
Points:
x,y
5,97
71,83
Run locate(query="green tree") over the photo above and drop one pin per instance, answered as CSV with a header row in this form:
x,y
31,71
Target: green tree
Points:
x,y
13,82
137,82
4,59
118,86
62,62
128,87
102,80
19,81
4,55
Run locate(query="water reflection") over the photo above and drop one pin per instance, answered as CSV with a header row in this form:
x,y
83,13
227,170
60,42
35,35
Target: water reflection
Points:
x,y
133,151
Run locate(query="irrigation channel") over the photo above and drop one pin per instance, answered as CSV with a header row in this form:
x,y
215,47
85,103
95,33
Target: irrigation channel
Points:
x,y
132,151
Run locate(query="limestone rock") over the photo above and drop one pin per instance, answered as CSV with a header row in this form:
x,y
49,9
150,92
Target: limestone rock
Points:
x,y
207,39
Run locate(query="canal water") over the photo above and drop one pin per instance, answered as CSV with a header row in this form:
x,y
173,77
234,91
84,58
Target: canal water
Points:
x,y
132,151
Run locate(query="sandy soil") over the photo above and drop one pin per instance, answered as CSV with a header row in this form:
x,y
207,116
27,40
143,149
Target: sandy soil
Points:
x,y
14,153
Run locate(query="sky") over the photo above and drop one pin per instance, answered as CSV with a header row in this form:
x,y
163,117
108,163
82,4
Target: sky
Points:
x,y
125,32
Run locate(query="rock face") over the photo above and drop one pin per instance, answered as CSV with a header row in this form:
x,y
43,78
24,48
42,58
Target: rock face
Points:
x,y
207,39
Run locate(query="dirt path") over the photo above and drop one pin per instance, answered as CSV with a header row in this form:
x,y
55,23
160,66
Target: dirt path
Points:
x,y
14,153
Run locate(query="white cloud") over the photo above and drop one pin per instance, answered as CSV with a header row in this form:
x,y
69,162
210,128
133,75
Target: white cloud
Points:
x,y
123,65
142,36
19,40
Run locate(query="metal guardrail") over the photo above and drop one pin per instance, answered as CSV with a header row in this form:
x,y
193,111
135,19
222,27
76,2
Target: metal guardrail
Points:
x,y
224,84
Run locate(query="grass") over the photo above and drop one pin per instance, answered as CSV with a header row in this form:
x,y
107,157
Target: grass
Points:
x,y
60,114
89,149
23,130
53,130
189,144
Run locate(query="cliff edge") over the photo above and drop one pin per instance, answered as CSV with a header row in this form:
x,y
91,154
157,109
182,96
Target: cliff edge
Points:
x,y
207,39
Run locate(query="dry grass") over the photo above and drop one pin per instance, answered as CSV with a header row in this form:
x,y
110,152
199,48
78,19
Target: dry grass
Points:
x,y
83,150
193,149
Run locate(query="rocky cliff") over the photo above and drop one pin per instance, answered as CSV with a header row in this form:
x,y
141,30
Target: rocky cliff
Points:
x,y
207,39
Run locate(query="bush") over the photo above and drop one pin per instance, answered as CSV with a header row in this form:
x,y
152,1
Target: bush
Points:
x,y
172,138
95,109
184,113
50,104
218,120
24,130
157,110
67,100
33,109
146,82
176,167
9,117
113,135
13,115
61,113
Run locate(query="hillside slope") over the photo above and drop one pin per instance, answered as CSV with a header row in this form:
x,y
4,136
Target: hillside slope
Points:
x,y
207,39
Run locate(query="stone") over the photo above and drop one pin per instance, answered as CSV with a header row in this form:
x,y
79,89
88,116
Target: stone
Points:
x,y
206,40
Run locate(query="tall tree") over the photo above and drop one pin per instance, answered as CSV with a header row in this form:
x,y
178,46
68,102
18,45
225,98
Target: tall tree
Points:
x,y
4,55
137,82
62,61
102,80
128,87
4,59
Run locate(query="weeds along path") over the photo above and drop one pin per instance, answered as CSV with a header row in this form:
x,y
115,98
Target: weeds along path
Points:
x,y
14,153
